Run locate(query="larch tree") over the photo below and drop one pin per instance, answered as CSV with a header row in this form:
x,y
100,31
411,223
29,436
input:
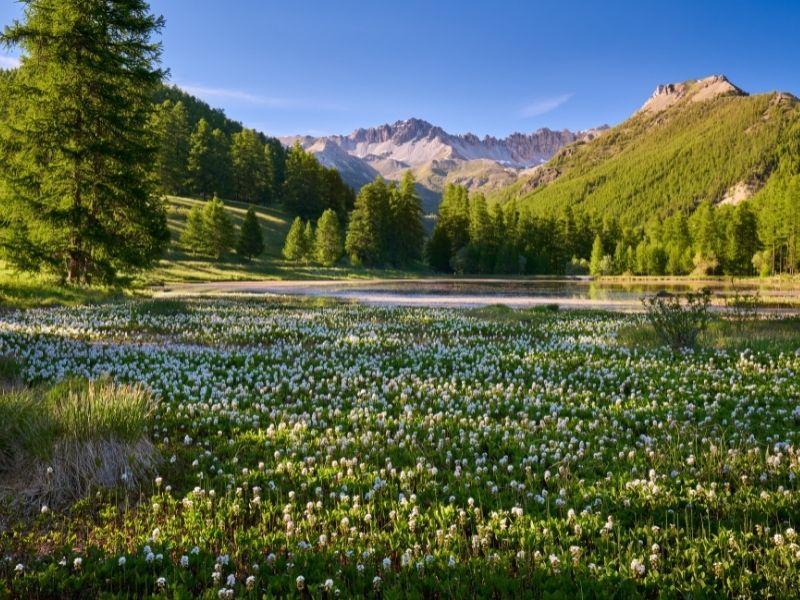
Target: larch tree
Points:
x,y
76,187
251,240
194,234
596,258
170,124
365,242
294,248
328,240
406,211
219,230
251,167
201,160
302,188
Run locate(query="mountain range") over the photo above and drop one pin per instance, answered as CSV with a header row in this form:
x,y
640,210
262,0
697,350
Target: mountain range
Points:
x,y
437,157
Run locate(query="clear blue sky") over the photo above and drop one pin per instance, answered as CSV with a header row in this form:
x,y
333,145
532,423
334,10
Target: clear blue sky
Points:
x,y
488,67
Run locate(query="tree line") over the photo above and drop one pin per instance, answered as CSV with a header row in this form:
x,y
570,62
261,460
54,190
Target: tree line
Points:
x,y
384,229
472,236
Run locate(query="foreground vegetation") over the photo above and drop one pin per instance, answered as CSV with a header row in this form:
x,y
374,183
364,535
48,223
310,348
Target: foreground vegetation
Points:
x,y
316,448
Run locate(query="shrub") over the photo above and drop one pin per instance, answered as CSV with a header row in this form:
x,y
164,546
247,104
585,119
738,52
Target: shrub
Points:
x,y
742,307
678,320
58,444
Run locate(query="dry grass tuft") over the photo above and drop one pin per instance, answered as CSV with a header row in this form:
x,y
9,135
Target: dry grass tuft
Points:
x,y
62,443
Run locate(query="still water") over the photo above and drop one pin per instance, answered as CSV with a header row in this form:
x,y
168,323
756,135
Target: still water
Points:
x,y
452,292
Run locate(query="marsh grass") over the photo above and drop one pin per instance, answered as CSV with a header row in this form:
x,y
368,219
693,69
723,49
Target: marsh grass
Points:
x,y
10,370
22,290
60,443
772,335
160,307
502,312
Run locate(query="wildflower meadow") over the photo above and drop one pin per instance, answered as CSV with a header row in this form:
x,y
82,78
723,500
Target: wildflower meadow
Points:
x,y
325,449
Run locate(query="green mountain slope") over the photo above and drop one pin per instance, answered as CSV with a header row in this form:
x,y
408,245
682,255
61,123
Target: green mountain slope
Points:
x,y
700,140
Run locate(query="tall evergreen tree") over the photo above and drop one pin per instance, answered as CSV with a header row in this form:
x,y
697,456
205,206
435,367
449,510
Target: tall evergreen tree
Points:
x,y
328,240
302,188
194,234
276,156
251,240
337,195
294,248
251,167
219,230
201,160
454,216
76,190
171,132
366,236
221,166
438,251
407,234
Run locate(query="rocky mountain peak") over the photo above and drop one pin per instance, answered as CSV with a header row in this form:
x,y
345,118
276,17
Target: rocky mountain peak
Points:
x,y
699,90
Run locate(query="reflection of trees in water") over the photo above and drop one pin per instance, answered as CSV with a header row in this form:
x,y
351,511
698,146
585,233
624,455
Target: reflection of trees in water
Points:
x,y
552,288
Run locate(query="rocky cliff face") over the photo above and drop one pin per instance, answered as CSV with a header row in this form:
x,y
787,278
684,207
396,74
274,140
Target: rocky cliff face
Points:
x,y
435,156
708,88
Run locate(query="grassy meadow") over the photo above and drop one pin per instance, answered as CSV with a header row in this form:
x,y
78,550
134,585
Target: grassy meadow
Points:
x,y
320,449
21,290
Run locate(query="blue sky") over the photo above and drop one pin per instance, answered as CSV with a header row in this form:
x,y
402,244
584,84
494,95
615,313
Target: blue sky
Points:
x,y
494,67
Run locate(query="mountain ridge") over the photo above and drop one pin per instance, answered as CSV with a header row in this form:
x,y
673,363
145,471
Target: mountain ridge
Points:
x,y
435,156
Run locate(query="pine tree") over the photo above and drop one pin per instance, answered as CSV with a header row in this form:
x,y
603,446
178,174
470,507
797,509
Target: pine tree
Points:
x,y
454,216
406,227
308,241
220,162
336,193
294,248
302,189
219,231
194,235
276,157
171,131
200,162
366,238
251,168
251,240
439,251
77,158
596,260
328,241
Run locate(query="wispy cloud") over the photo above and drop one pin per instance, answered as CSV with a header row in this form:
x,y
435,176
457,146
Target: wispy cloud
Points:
x,y
544,105
214,93
8,62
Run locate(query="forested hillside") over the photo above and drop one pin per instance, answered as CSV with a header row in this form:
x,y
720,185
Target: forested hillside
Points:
x,y
702,180
662,161
203,153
